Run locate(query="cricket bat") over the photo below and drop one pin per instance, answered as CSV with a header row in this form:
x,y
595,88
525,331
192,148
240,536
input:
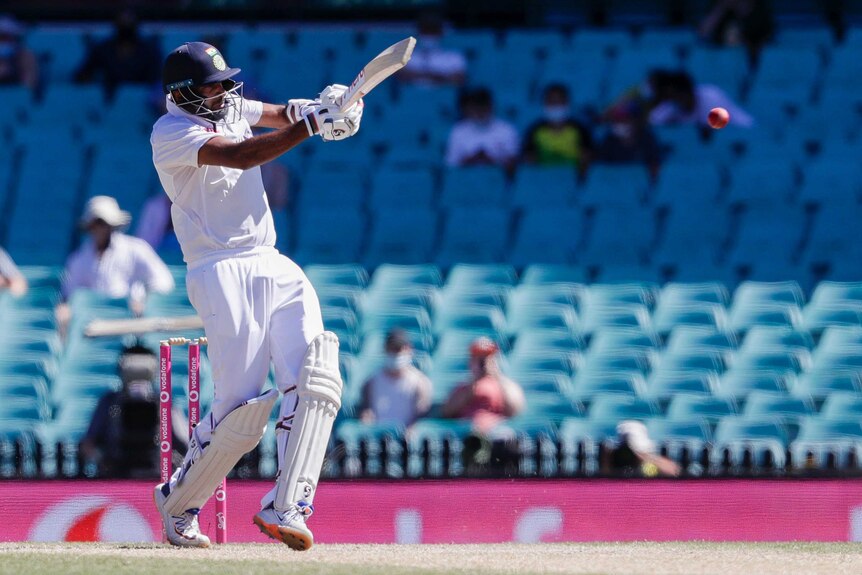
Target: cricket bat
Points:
x,y
381,67
141,325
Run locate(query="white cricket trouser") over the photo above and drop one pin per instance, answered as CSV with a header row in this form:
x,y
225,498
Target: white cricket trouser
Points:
x,y
258,309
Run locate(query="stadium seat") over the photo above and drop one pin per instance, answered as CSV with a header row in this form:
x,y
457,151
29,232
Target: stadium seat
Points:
x,y
543,339
675,436
827,443
473,236
691,242
738,382
476,317
830,292
622,338
526,295
542,316
587,387
762,404
481,275
410,318
816,318
764,439
394,276
329,237
667,317
842,405
620,407
553,274
831,181
544,186
830,241
598,318
692,337
768,241
744,316
401,236
343,275
840,336
624,187
823,383
762,182
686,293
551,236
763,336
522,366
473,187
625,232
715,360
622,294
710,409
663,385
579,443
400,187
721,66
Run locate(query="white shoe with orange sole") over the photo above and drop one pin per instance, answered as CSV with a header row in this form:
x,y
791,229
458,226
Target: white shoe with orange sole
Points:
x,y
287,526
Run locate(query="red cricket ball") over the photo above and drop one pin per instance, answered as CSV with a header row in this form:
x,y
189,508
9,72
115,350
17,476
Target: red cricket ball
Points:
x,y
718,118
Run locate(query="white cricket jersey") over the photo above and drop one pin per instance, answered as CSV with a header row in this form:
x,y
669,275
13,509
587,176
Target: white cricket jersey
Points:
x,y
217,212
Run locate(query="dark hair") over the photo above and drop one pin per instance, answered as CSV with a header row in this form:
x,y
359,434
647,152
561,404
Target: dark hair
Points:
x,y
478,96
556,87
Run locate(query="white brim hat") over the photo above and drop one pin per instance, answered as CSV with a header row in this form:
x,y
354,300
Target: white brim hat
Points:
x,y
107,209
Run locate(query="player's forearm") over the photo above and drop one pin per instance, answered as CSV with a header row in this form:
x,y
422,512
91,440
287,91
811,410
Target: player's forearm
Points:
x,y
254,151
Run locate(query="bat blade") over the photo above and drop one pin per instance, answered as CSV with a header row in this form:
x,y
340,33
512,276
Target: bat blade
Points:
x,y
381,67
141,325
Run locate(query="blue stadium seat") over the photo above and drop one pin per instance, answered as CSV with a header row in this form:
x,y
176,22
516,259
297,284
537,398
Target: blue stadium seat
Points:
x,y
831,181
722,66
700,407
822,383
548,235
613,185
683,185
762,336
329,237
692,240
764,439
539,274
610,294
473,235
786,74
592,387
602,362
544,186
322,189
739,382
542,339
816,318
773,359
762,183
837,292
406,276
619,407
667,317
473,187
393,187
625,232
762,404
692,337
840,336
663,385
598,318
481,275
827,443
768,240
622,338
542,316
484,318
745,316
831,243
842,405
343,275
401,236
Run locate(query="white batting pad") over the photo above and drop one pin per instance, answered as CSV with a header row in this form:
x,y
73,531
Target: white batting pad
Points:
x,y
318,400
237,434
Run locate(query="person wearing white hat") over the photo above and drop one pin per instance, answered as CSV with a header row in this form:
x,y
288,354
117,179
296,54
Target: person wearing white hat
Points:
x,y
634,453
111,262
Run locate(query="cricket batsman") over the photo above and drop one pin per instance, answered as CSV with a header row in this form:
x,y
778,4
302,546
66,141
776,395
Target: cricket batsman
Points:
x,y
257,306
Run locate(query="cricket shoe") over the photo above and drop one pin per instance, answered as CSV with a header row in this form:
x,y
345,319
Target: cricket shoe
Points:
x,y
181,530
287,526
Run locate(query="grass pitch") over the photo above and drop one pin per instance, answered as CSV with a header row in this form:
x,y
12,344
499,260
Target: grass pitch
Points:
x,y
593,558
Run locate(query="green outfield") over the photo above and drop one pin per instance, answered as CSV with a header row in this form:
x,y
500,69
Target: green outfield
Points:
x,y
597,558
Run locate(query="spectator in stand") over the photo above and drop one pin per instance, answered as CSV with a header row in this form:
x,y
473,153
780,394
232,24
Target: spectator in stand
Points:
x,y
748,23
488,399
634,454
121,440
687,103
638,101
10,276
110,262
479,138
124,58
558,139
431,64
629,141
399,393
18,65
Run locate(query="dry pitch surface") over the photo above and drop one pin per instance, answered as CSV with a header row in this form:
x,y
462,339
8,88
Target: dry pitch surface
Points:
x,y
597,558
